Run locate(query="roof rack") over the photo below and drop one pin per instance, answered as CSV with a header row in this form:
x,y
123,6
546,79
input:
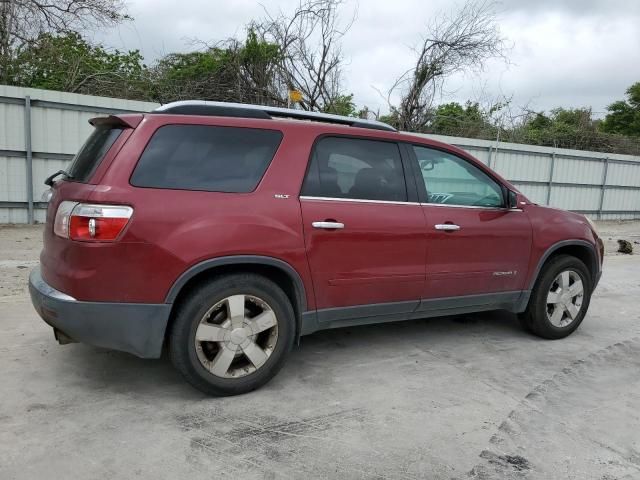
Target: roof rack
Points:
x,y
228,109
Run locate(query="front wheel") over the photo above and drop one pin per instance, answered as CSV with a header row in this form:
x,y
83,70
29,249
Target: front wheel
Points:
x,y
231,335
560,298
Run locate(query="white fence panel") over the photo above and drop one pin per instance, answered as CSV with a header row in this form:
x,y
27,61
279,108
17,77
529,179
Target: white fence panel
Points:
x,y
522,166
624,174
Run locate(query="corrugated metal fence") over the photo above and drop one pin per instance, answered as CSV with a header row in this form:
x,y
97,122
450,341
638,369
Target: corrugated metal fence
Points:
x,y
41,131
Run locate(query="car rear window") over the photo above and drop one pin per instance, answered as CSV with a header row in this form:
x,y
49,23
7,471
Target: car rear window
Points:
x,y
209,158
92,152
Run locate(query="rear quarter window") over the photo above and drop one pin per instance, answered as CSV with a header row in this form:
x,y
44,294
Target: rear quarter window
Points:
x,y
207,158
92,152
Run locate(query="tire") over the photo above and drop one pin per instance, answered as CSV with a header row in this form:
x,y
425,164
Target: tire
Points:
x,y
553,312
206,314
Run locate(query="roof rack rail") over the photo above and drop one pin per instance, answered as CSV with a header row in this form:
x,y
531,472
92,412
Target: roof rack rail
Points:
x,y
228,109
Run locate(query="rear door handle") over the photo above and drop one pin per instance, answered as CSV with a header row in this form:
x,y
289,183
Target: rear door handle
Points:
x,y
328,225
448,227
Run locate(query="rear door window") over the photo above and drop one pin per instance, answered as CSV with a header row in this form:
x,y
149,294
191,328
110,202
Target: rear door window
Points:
x,y
208,158
355,168
92,152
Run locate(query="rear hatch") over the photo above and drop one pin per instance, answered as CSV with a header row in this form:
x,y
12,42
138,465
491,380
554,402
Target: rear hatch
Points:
x,y
72,189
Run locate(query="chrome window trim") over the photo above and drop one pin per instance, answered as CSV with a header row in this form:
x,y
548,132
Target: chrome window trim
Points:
x,y
392,202
357,200
470,206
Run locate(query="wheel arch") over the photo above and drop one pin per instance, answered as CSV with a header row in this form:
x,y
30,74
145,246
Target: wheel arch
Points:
x,y
279,271
581,249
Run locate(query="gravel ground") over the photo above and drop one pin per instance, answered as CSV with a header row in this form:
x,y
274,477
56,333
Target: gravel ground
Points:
x,y
457,397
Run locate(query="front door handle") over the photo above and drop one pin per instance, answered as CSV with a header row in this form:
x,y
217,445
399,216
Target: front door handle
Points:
x,y
328,225
448,227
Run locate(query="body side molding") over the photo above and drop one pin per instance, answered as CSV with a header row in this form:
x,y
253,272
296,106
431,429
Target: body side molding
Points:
x,y
323,319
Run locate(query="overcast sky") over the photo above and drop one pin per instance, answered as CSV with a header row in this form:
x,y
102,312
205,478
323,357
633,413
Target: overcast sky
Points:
x,y
571,53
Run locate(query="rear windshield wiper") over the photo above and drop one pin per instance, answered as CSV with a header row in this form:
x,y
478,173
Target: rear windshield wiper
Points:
x,y
49,180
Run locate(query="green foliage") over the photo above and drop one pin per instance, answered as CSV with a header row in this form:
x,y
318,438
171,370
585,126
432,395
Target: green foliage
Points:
x,y
566,128
624,115
69,63
232,71
391,118
342,105
183,67
463,121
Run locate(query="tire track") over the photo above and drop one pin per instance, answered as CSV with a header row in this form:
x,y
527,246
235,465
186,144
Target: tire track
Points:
x,y
554,430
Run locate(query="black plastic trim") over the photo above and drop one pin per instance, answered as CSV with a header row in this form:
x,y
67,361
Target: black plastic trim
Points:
x,y
240,260
136,328
409,172
398,311
328,315
594,268
215,110
498,300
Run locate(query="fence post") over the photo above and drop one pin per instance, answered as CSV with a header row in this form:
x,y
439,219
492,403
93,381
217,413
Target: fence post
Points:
x,y
553,166
27,147
603,186
489,159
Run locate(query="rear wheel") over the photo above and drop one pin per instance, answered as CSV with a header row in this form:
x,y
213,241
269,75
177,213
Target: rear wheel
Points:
x,y
560,298
231,335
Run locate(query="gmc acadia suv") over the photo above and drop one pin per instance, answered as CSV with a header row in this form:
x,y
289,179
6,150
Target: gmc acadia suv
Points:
x,y
228,231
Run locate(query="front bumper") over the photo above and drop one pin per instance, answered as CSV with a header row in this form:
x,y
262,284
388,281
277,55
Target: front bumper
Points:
x,y
137,328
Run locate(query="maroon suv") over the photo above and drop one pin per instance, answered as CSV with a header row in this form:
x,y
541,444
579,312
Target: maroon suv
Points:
x,y
228,231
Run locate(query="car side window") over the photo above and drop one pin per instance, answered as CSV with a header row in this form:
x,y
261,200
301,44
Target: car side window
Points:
x,y
450,180
355,168
206,158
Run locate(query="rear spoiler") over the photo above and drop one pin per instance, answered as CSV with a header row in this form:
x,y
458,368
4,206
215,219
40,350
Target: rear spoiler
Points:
x,y
129,120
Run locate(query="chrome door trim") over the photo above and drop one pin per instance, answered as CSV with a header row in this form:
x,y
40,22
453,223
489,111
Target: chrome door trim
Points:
x,y
475,207
328,225
447,227
391,202
357,200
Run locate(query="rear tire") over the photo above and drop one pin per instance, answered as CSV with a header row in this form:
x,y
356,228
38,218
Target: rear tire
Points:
x,y
232,334
559,300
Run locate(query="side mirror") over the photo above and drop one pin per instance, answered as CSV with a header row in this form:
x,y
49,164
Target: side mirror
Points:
x,y
512,199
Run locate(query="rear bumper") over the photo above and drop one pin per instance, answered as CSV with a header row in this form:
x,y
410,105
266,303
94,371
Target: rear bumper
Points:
x,y
137,328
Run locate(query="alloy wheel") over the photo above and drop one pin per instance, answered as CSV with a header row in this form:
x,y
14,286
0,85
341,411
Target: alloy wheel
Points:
x,y
564,300
236,336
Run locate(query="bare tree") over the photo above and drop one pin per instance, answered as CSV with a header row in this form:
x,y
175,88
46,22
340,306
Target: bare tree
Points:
x,y
22,21
453,43
310,57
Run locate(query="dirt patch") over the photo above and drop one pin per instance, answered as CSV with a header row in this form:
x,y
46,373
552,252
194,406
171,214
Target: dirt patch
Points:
x,y
611,232
19,249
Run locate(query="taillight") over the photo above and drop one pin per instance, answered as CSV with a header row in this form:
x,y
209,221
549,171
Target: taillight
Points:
x,y
91,222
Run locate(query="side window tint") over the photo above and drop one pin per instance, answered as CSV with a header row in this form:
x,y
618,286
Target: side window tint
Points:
x,y
451,180
355,168
208,158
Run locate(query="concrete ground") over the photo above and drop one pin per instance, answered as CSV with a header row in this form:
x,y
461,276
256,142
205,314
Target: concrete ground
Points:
x,y
461,397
